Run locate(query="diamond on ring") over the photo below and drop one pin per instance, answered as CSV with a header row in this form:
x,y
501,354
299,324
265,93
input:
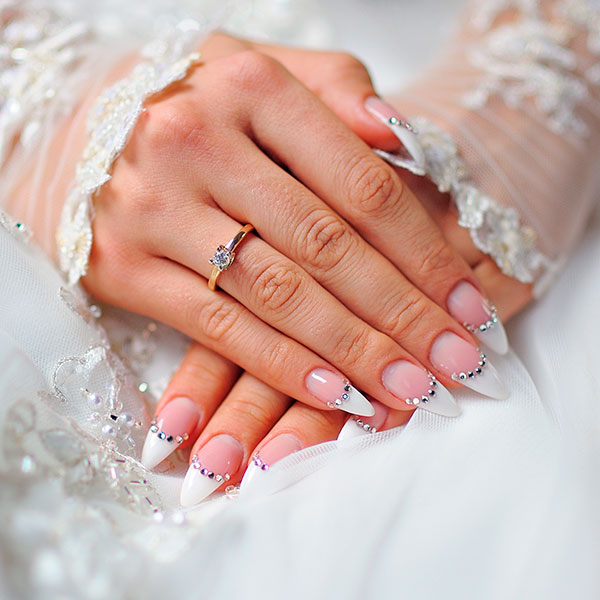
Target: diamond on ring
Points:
x,y
222,258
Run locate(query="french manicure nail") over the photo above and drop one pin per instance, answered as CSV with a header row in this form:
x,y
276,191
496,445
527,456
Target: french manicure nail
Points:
x,y
478,315
213,465
273,451
359,426
171,426
417,387
337,392
467,365
403,130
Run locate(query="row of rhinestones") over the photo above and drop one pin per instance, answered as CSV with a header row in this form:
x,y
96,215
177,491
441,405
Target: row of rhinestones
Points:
x,y
259,462
167,437
425,397
484,326
462,376
344,396
368,428
207,473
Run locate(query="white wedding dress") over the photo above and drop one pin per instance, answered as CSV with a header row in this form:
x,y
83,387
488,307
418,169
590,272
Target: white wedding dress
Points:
x,y
500,503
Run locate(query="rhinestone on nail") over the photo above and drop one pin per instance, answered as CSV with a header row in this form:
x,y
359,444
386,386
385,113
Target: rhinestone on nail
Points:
x,y
218,477
337,403
425,397
483,327
166,436
364,426
471,374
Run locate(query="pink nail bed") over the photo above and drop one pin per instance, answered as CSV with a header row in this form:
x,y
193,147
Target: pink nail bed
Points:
x,y
382,110
406,380
337,392
467,305
451,354
221,455
179,417
274,450
380,416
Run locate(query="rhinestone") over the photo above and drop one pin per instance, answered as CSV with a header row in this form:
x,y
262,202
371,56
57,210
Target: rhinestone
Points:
x,y
366,427
219,478
338,402
433,383
162,435
204,471
264,467
471,374
394,121
373,429
431,392
227,476
210,475
179,439
185,436
153,428
416,401
462,376
169,438
345,396
479,370
481,363
424,399
347,387
483,328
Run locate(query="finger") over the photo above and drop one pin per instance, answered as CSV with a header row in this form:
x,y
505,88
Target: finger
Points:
x,y
181,299
195,391
508,295
300,427
280,293
343,83
222,450
364,190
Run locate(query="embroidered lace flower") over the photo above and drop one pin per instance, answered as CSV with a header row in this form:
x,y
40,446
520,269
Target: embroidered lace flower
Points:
x,y
494,229
110,122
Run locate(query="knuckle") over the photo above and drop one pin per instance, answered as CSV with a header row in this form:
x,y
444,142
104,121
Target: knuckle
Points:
x,y
352,347
281,356
216,318
253,70
437,259
326,242
414,312
376,190
278,288
344,63
173,126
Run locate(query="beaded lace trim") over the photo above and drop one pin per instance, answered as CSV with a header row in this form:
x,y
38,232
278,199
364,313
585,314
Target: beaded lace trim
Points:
x,y
495,230
110,123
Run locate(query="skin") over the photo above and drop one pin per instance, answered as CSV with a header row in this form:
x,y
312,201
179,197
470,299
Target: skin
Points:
x,y
255,413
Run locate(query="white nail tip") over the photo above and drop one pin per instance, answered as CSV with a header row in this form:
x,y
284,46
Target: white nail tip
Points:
x,y
357,404
351,430
196,487
494,338
249,475
488,383
442,403
155,450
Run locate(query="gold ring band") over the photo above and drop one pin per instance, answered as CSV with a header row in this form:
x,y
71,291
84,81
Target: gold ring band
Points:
x,y
223,257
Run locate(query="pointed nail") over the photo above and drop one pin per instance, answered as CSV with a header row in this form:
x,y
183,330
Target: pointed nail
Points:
x,y
465,364
359,426
337,392
417,387
171,426
213,465
273,451
400,127
478,315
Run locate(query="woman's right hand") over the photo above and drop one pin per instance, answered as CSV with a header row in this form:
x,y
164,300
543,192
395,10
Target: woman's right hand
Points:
x,y
309,303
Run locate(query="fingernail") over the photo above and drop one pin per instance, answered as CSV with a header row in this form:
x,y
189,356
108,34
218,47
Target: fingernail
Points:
x,y
359,426
337,392
213,465
170,427
478,315
419,388
403,130
466,364
274,450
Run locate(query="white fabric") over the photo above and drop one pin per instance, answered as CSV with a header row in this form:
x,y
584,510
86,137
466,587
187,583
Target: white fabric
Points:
x,y
499,503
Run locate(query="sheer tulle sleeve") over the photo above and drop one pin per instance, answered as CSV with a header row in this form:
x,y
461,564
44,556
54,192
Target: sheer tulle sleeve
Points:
x,y
511,105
